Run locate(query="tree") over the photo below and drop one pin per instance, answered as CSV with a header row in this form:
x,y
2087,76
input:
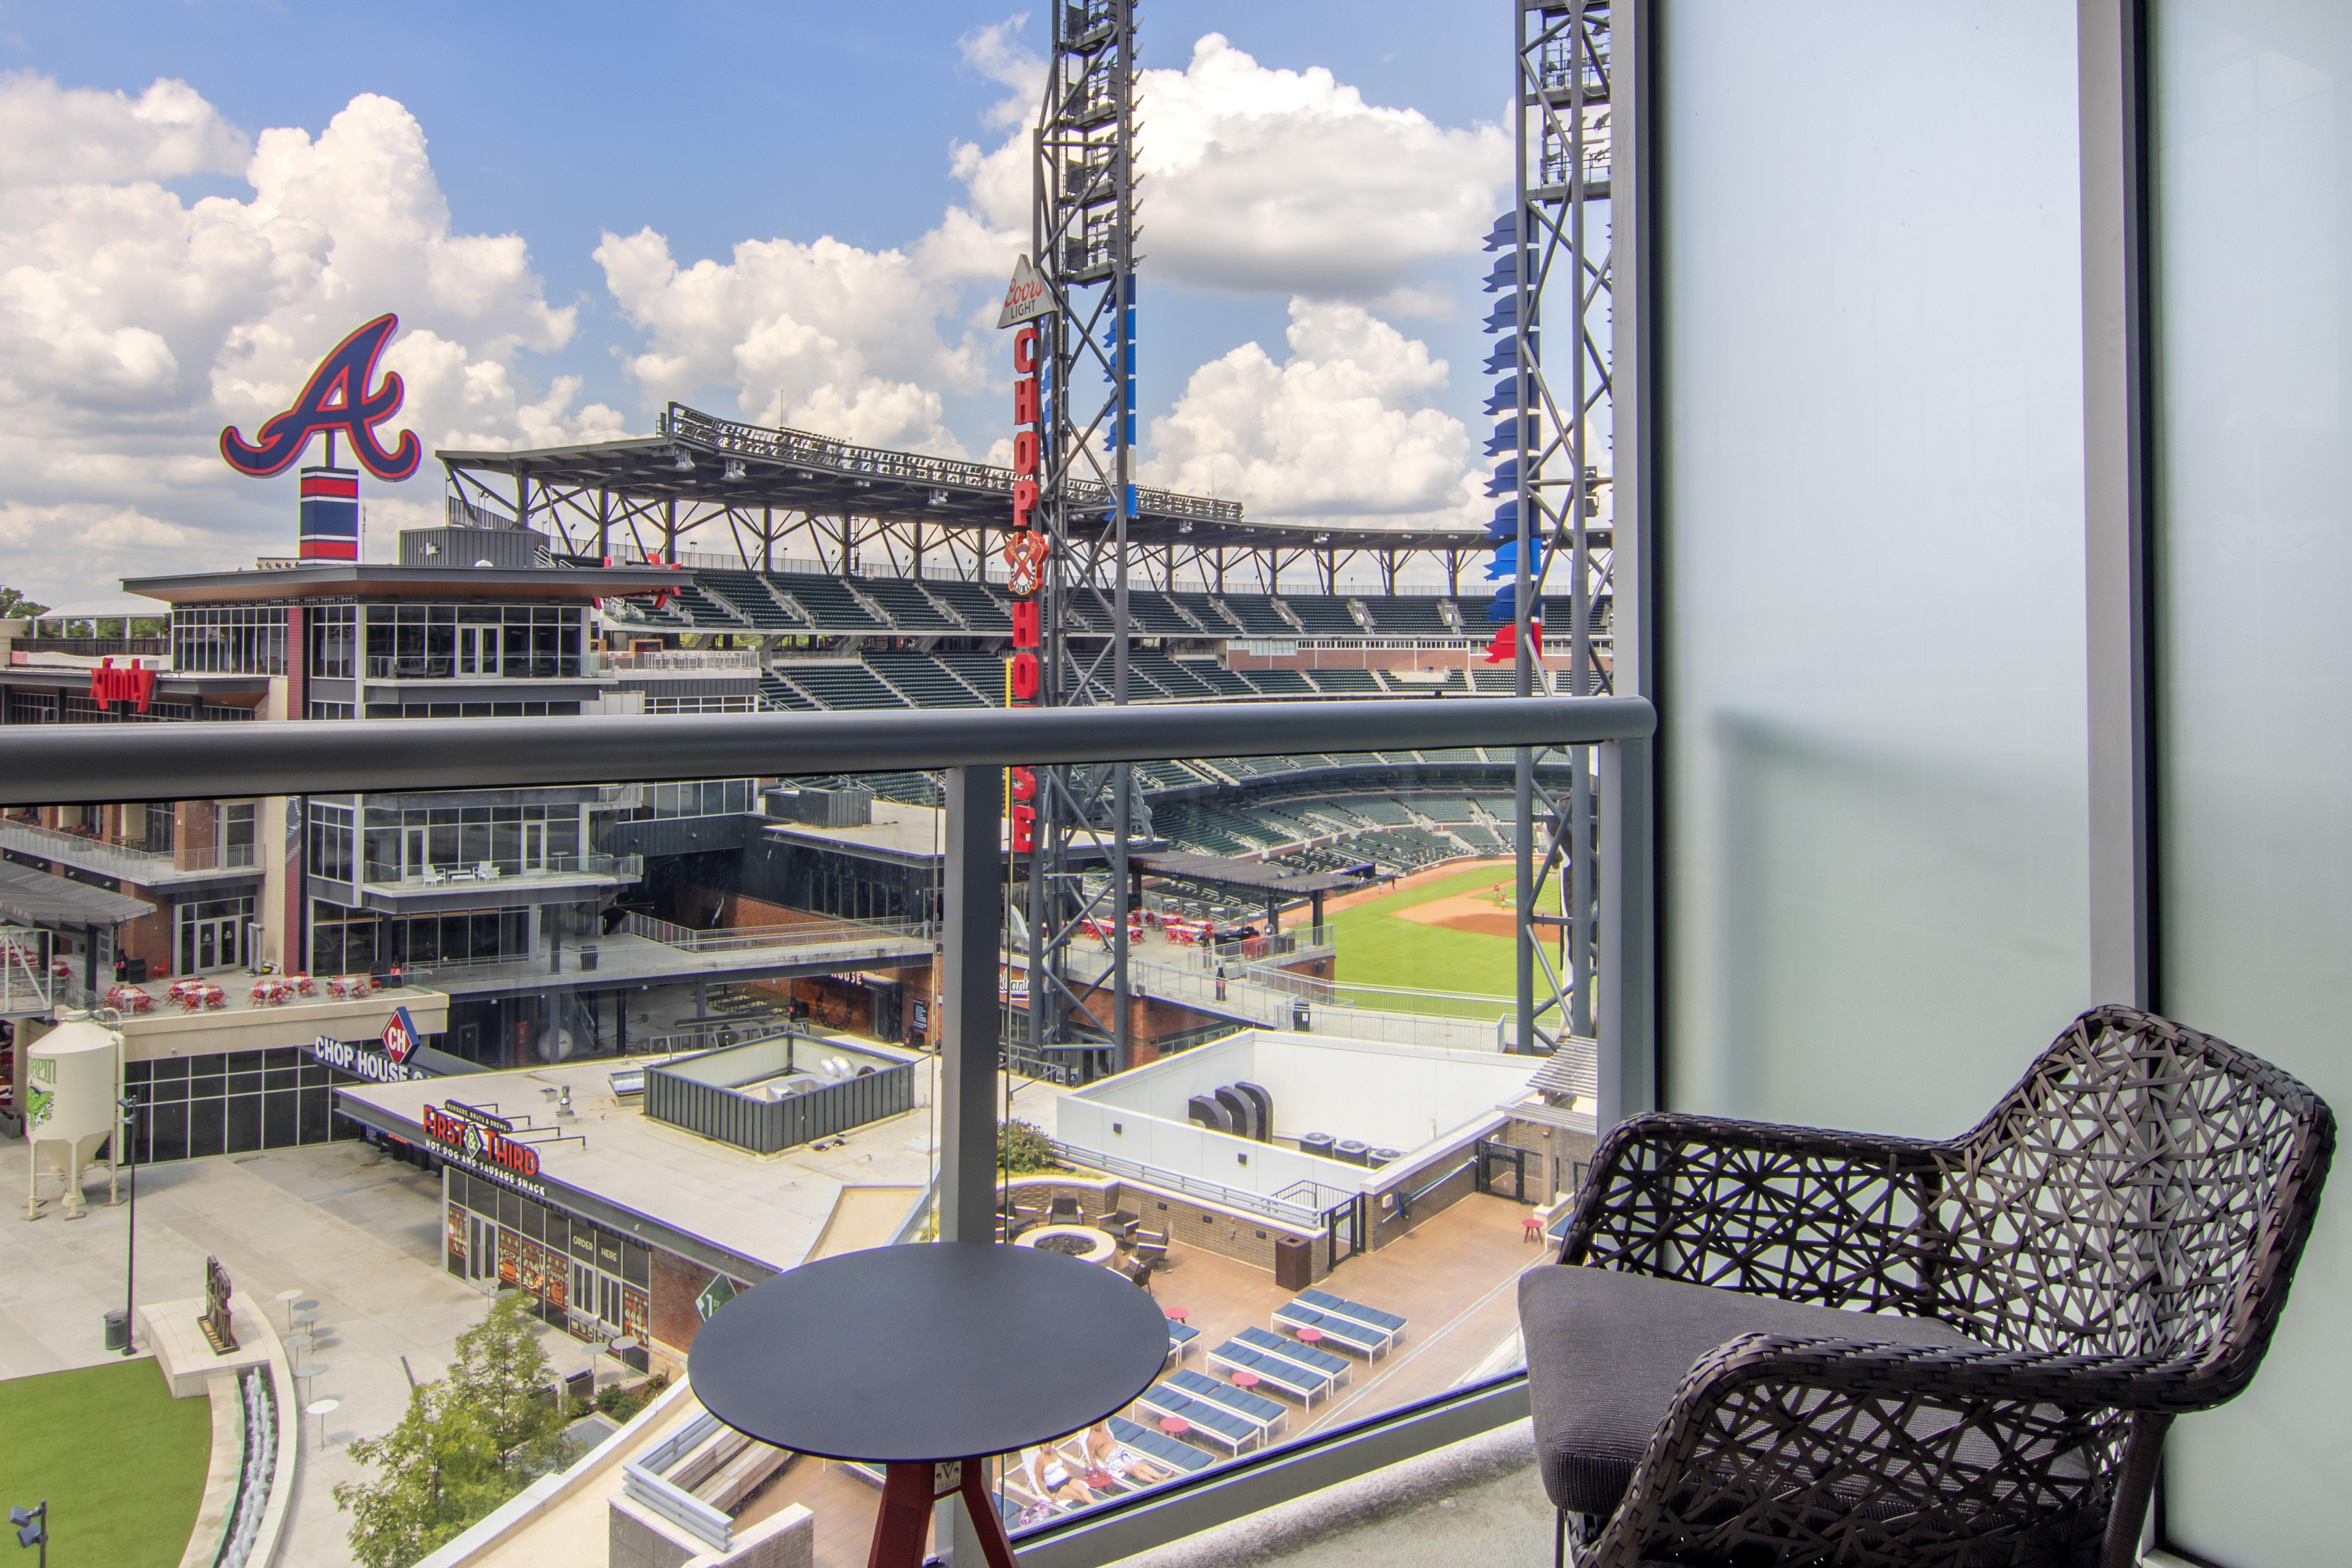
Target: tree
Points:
x,y
465,1444
15,606
1023,1147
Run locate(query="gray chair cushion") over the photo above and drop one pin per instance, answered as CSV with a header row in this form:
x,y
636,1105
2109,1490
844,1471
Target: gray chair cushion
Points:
x,y
1606,1350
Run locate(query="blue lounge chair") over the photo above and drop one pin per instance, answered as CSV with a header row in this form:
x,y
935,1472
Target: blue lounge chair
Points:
x,y
1217,1425
1324,1302
1334,1367
1254,1408
1301,1383
1345,1332
1152,1443
1180,1340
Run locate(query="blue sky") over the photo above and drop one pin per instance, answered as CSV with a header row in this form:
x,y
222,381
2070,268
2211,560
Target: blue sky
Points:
x,y
710,125
713,123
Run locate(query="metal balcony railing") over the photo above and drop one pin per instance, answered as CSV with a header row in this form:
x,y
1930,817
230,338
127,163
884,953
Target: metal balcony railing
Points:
x,y
78,763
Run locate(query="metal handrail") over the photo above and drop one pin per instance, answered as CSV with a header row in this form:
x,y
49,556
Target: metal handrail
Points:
x,y
76,763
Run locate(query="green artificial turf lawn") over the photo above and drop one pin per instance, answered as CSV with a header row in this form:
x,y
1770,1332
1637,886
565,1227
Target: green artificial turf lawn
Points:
x,y
1376,948
121,1462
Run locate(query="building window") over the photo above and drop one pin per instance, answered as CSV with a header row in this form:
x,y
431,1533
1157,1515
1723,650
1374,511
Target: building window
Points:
x,y
476,642
233,1103
214,934
423,844
335,641
163,828
738,702
229,639
330,856
331,710
713,797
235,824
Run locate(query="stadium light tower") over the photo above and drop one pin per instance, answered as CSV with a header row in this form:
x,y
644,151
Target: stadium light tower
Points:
x,y
1083,236
1559,266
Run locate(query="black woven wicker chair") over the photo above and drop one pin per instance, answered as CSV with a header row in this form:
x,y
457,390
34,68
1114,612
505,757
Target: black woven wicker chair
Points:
x,y
2109,1248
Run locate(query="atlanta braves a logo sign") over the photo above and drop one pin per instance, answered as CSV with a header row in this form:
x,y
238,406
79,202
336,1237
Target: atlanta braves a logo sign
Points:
x,y
335,400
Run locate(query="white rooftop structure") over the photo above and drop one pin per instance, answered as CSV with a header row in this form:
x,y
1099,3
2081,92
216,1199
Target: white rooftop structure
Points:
x,y
1415,1098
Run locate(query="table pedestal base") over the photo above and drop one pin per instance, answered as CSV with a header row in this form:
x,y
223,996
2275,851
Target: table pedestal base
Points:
x,y
905,1523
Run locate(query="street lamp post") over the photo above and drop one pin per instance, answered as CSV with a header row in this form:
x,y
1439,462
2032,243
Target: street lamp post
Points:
x,y
129,1105
33,1526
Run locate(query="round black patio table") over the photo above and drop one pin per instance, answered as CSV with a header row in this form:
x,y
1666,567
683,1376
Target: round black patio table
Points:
x,y
927,1359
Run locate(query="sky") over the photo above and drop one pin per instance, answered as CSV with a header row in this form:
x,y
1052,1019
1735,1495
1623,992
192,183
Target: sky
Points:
x,y
792,214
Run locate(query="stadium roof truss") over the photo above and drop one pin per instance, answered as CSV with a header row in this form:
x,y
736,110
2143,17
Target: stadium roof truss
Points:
x,y
706,491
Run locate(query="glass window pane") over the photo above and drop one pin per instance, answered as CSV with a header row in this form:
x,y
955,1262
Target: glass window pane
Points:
x,y
2254,496
1872,718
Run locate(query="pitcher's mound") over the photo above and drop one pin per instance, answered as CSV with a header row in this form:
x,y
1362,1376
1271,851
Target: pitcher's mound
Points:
x,y
1472,912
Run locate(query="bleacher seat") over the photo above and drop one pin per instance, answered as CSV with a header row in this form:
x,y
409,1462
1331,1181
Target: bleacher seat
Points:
x,y
1323,614
702,612
1217,677
981,610
750,597
778,692
924,680
1413,615
1258,616
1204,609
830,607
844,686
1344,682
1173,679
983,672
1278,683
910,606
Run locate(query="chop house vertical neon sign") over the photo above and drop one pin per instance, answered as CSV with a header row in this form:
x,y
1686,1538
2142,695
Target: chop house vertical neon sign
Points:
x,y
1025,549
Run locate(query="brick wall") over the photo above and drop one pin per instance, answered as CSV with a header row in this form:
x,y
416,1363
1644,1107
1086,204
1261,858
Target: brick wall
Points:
x,y
1189,1222
671,1317
149,936
1558,1150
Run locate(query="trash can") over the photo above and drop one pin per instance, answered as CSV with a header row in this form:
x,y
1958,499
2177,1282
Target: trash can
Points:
x,y
587,958
118,1329
1302,1021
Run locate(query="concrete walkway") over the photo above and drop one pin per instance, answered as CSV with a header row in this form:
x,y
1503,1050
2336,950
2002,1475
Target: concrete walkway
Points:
x,y
358,1231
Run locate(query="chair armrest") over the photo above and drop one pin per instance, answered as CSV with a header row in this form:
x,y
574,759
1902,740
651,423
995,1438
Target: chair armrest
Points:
x,y
1837,1219
1905,1453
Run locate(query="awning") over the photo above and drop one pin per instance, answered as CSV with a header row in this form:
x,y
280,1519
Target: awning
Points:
x,y
1240,873
37,898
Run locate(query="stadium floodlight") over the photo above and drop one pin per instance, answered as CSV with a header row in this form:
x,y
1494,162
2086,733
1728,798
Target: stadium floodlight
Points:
x,y
734,467
33,1526
685,462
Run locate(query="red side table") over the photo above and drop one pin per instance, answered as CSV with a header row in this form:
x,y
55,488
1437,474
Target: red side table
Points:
x,y
1178,1315
1175,1425
1244,1380
1309,1336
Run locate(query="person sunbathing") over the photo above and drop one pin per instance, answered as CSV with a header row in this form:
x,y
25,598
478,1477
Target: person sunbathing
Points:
x,y
1106,1456
1051,1478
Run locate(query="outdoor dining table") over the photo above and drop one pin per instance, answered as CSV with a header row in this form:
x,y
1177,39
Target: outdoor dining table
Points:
x,y
926,1359
129,998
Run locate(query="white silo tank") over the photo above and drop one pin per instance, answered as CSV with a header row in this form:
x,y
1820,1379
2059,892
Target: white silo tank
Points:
x,y
73,1076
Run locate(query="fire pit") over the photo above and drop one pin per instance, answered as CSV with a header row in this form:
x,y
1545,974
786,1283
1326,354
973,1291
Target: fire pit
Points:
x,y
1083,1242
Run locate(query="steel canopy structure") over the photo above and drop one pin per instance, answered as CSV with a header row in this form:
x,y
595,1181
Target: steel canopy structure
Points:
x,y
719,486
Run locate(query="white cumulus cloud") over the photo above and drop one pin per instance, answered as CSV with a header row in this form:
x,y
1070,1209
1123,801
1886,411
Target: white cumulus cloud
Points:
x,y
1257,180
134,323
1338,432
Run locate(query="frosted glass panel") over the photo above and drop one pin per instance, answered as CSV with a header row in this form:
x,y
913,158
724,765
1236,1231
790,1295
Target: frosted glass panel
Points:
x,y
2254,238
1872,506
